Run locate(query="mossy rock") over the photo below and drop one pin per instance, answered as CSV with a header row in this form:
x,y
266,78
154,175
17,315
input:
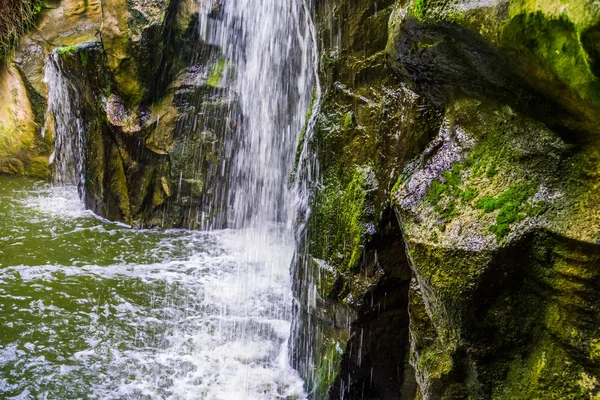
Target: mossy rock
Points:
x,y
12,166
530,55
483,211
39,168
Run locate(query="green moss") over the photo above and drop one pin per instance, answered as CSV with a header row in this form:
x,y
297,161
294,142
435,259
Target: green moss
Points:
x,y
107,83
487,204
353,203
512,207
469,195
67,50
449,185
216,73
447,210
418,9
492,171
340,219
196,185
397,185
435,362
436,191
554,44
78,49
595,350
348,119
443,194
83,58
328,366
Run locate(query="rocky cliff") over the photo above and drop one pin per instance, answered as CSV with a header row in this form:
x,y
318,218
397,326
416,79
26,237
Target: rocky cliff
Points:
x,y
147,97
454,236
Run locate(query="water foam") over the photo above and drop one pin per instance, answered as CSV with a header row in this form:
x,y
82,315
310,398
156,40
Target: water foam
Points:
x,y
209,318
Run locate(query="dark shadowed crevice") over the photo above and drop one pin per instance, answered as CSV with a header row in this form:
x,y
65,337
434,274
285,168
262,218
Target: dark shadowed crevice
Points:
x,y
590,40
375,362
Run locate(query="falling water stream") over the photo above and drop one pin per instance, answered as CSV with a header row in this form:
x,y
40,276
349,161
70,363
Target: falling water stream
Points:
x,y
93,309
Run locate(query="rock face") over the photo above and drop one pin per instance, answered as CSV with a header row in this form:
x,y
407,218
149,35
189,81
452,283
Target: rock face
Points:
x,y
148,96
454,235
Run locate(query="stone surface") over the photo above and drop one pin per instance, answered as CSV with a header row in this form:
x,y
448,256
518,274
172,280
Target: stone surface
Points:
x,y
20,136
140,72
476,122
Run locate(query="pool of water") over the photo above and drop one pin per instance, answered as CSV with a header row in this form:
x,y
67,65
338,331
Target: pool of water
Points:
x,y
95,310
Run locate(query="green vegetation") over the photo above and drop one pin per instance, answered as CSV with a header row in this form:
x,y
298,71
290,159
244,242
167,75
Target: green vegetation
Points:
x,y
62,51
436,361
512,207
16,18
556,48
492,171
348,118
216,73
340,220
75,49
445,193
419,9
327,370
83,58
449,189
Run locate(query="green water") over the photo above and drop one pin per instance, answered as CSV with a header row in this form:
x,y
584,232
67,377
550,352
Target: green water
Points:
x,y
93,309
45,225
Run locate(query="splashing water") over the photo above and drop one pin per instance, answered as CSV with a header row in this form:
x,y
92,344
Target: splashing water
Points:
x,y
93,309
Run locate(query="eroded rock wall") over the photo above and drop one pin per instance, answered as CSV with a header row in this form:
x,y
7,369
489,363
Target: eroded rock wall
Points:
x,y
476,123
149,94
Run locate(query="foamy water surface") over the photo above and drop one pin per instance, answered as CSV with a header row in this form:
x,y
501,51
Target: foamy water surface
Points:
x,y
96,310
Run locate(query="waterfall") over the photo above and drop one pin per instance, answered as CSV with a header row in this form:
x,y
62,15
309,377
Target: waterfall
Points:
x,y
268,48
205,314
271,51
65,119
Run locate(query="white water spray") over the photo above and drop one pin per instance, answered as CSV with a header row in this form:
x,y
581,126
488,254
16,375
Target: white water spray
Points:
x,y
224,331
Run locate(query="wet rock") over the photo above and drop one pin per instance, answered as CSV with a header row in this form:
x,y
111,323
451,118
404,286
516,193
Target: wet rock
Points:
x,y
137,71
482,135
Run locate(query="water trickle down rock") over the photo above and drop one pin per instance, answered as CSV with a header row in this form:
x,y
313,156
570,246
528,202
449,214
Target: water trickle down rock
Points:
x,y
64,109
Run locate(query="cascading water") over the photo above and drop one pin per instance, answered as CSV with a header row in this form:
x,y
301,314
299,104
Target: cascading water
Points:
x,y
68,126
269,49
93,309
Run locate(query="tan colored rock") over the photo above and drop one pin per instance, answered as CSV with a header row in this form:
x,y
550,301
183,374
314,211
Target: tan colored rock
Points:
x,y
119,116
165,185
17,127
12,166
161,126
